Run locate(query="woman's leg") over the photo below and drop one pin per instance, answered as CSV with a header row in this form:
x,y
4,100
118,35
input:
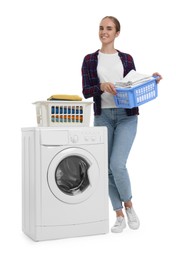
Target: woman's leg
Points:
x,y
107,119
124,136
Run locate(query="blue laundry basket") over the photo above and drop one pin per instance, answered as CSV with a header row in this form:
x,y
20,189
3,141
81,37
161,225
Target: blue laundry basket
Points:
x,y
137,95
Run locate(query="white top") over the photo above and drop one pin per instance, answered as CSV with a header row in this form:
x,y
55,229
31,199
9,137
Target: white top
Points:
x,y
109,69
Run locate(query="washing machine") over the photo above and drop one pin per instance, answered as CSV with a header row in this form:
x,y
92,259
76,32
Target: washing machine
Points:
x,y
64,182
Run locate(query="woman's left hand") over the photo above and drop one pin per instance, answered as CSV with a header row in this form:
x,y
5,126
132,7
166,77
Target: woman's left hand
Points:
x,y
156,74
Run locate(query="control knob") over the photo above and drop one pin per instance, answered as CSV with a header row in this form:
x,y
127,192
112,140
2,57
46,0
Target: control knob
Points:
x,y
74,139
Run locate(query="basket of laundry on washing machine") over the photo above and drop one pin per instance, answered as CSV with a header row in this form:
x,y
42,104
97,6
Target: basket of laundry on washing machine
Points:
x,y
63,113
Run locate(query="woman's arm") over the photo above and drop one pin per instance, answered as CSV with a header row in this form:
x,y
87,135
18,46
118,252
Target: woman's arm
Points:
x,y
90,80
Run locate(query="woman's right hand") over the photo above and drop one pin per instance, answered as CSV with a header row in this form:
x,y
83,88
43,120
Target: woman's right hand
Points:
x,y
108,87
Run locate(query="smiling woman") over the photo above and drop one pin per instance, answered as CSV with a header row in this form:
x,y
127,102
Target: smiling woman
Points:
x,y
99,72
109,30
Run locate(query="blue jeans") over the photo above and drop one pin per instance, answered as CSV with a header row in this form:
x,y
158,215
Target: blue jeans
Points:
x,y
121,134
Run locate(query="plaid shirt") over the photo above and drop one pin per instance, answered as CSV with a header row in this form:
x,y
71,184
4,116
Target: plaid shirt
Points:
x,y
91,83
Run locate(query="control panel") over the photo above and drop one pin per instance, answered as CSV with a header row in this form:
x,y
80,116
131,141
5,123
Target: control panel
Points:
x,y
93,135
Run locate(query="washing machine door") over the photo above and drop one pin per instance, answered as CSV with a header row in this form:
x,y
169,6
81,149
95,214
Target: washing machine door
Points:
x,y
73,175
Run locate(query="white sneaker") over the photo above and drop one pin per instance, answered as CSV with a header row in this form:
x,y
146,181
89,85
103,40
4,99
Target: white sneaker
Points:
x,y
133,221
119,225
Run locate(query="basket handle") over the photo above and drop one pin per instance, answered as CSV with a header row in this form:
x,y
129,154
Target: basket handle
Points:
x,y
38,114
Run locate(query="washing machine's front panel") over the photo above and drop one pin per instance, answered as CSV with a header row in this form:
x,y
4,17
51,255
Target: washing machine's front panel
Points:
x,y
73,175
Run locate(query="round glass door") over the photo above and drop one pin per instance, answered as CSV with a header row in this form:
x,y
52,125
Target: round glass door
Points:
x,y
73,175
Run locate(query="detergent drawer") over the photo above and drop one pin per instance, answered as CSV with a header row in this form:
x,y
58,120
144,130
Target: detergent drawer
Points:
x,y
53,136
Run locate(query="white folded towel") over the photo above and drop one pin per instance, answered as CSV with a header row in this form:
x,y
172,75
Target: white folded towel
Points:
x,y
132,79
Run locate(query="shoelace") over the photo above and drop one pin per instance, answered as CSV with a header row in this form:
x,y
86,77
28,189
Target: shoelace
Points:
x,y
118,221
131,215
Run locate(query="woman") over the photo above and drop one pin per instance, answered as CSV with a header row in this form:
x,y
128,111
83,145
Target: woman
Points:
x,y
99,71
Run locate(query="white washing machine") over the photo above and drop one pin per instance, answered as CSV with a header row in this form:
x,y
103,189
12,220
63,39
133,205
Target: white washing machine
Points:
x,y
65,182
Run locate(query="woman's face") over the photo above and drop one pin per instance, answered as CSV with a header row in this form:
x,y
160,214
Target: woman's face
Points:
x,y
107,31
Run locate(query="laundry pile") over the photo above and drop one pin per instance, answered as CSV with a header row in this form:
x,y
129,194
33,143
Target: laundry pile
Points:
x,y
64,113
133,78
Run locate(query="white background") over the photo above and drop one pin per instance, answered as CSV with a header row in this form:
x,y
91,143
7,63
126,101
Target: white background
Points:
x,y
42,46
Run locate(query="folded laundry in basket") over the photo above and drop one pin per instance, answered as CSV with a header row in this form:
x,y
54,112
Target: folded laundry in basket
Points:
x,y
132,79
65,97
